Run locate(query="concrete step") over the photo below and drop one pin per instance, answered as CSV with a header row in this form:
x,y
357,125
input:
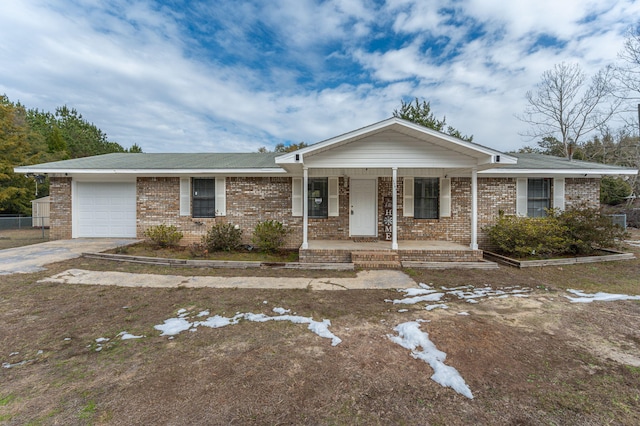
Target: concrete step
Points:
x,y
375,256
379,259
372,264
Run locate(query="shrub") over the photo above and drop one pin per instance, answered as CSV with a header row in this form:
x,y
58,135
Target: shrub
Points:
x,y
270,235
578,230
525,236
163,235
222,237
588,230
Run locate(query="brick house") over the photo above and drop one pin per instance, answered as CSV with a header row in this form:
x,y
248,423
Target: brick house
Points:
x,y
334,194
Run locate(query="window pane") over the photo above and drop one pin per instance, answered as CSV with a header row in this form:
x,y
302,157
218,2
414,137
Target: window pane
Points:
x,y
204,198
318,197
538,197
426,198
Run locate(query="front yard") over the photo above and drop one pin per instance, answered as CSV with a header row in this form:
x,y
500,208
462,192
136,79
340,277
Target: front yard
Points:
x,y
538,359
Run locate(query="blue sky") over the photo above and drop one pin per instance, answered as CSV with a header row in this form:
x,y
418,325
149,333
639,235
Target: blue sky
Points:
x,y
232,75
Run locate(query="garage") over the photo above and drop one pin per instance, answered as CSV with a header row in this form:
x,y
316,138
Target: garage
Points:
x,y
105,209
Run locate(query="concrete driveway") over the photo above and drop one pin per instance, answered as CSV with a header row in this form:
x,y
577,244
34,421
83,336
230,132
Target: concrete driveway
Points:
x,y
33,258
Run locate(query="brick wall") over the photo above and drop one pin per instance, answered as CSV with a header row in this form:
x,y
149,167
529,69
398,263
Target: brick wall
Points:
x,y
254,199
60,213
249,200
455,228
581,192
333,227
495,196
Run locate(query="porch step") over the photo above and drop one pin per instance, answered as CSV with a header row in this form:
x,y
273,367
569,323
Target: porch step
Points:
x,y
380,259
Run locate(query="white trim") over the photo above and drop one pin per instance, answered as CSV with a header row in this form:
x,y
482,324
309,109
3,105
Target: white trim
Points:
x,y
445,197
296,196
221,196
407,197
333,194
74,208
474,209
558,193
394,195
522,196
185,196
549,172
153,172
305,208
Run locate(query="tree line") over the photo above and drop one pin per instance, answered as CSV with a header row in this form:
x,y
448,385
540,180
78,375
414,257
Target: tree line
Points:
x,y
31,136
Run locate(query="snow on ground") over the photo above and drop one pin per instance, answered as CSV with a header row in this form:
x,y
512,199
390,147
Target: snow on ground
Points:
x,y
411,337
173,326
468,293
601,297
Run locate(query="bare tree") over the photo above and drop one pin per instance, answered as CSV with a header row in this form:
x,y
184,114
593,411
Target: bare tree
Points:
x,y
566,106
628,72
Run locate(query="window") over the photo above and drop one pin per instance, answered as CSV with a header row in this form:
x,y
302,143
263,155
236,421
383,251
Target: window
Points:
x,y
538,197
318,197
204,197
426,193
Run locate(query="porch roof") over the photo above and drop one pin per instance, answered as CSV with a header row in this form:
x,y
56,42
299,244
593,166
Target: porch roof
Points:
x,y
394,143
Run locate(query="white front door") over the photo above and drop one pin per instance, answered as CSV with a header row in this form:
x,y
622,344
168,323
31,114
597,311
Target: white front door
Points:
x,y
363,211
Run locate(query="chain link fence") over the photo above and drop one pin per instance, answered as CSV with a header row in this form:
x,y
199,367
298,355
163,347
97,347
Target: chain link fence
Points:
x,y
18,230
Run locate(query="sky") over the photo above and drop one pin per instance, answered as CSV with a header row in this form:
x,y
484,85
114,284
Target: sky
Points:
x,y
234,76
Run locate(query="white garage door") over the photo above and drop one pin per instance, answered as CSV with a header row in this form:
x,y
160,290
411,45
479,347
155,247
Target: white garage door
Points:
x,y
105,209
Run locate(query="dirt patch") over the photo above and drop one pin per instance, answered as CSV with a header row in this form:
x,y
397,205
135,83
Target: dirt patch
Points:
x,y
528,361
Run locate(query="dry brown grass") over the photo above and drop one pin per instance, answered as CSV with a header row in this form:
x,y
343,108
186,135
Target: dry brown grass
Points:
x,y
534,361
22,237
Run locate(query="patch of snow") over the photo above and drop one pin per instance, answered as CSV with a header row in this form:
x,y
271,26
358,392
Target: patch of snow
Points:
x,y
600,297
411,337
463,313
437,306
173,326
127,336
203,313
101,339
433,297
67,338
217,321
14,353
403,310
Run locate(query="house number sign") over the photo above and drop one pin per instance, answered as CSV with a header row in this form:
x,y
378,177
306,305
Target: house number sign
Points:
x,y
387,218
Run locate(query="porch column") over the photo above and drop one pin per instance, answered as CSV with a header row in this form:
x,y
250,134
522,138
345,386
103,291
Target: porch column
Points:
x,y
474,208
305,207
394,217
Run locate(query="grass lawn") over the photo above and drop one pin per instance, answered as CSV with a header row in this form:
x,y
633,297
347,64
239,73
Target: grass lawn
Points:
x,y
537,360
10,238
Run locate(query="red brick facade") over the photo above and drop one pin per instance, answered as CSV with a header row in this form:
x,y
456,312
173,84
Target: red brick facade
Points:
x,y
250,200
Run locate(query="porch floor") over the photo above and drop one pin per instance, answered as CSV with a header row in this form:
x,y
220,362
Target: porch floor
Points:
x,y
425,245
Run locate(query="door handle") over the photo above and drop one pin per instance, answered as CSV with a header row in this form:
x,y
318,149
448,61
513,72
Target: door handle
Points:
x,y
351,211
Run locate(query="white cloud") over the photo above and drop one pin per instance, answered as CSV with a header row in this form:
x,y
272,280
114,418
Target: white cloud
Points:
x,y
252,75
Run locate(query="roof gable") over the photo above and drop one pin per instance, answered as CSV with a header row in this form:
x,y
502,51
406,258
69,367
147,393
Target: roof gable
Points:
x,y
421,139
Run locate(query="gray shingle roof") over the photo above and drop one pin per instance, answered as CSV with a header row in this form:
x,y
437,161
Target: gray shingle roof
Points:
x,y
541,161
166,161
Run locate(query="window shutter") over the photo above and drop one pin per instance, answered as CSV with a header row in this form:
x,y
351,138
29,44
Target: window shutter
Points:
x,y
558,193
185,196
334,205
407,197
221,196
445,197
296,197
521,197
